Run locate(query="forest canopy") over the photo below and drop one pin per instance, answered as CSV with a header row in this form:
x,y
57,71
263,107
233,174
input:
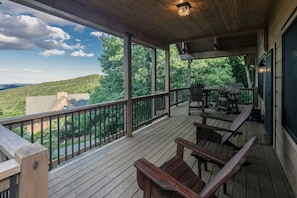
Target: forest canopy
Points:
x,y
214,72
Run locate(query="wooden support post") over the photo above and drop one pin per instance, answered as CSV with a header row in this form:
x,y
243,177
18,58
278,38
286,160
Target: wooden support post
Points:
x,y
128,83
33,179
154,79
189,72
167,80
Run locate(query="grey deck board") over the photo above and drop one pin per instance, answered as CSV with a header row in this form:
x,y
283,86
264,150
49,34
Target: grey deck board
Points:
x,y
109,172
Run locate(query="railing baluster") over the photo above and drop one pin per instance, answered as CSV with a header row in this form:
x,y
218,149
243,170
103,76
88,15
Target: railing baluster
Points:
x,y
78,128
58,139
32,131
95,126
72,134
65,135
90,128
12,186
41,131
85,128
50,143
22,129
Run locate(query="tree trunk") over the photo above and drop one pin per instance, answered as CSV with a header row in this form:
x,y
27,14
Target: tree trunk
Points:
x,y
248,78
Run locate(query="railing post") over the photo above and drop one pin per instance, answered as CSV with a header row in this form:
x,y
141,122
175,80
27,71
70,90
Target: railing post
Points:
x,y
167,80
33,179
255,97
176,97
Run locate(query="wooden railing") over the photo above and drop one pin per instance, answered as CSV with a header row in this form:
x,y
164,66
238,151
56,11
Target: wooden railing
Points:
x,y
23,167
245,96
68,133
24,162
178,96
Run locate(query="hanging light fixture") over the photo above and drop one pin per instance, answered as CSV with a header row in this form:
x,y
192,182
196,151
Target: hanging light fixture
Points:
x,y
183,9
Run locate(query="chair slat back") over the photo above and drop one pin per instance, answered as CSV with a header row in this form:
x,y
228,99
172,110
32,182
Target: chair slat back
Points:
x,y
196,92
235,88
238,122
229,170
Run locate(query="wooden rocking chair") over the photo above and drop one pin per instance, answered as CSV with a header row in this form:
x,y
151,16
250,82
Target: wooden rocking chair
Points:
x,y
176,179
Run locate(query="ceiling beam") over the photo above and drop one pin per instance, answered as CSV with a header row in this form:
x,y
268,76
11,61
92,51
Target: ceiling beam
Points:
x,y
220,35
218,53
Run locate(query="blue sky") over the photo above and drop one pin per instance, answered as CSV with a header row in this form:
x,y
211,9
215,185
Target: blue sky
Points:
x,y
36,47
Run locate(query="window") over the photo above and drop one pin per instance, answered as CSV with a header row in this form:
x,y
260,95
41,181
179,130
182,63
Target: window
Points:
x,y
289,81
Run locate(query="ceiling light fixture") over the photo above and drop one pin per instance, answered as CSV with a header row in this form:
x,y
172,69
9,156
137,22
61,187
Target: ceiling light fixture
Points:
x,y
183,9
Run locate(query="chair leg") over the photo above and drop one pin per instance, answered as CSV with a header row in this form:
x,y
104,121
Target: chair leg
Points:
x,y
225,188
228,106
199,166
200,162
236,106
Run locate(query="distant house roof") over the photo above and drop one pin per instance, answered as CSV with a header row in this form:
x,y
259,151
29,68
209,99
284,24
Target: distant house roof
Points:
x,y
39,104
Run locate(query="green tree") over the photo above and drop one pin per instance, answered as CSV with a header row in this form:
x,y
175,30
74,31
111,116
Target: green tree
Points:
x,y
242,73
111,60
214,72
178,70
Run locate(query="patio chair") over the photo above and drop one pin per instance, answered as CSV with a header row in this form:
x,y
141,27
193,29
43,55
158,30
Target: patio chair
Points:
x,y
175,178
206,134
228,99
196,97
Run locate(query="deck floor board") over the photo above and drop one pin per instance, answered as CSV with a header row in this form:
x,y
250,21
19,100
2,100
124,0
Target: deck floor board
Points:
x,y
109,172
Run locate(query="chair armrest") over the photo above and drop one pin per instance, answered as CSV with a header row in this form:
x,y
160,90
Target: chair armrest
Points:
x,y
205,126
198,149
214,128
208,115
163,179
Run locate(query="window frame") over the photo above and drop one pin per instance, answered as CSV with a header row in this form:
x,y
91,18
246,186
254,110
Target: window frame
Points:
x,y
286,111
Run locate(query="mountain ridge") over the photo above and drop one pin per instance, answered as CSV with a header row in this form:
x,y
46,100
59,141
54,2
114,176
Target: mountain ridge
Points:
x,y
13,101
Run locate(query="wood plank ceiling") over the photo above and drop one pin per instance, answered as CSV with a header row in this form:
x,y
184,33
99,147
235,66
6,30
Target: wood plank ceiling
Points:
x,y
230,26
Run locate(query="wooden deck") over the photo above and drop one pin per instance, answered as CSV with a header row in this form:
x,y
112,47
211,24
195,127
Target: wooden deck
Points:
x,y
109,171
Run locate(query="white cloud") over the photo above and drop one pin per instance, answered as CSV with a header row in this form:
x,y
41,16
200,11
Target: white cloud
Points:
x,y
100,34
25,32
20,29
32,70
53,52
23,70
81,53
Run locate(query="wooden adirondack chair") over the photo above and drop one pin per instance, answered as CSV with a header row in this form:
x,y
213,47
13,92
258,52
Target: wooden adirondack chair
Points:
x,y
196,98
176,179
206,135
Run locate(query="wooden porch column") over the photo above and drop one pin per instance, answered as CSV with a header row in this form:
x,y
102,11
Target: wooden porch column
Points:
x,y
128,83
167,80
154,78
33,179
189,72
